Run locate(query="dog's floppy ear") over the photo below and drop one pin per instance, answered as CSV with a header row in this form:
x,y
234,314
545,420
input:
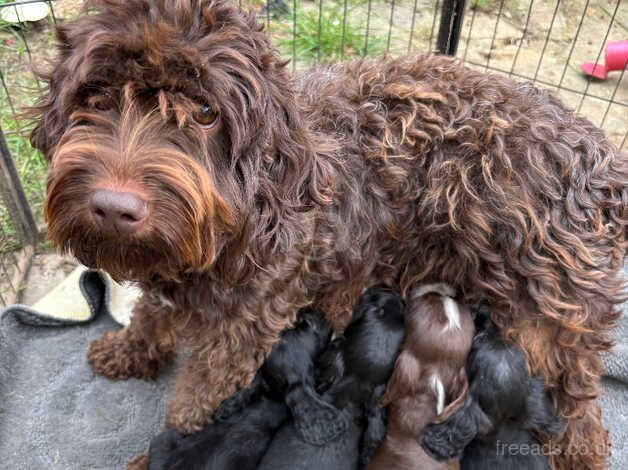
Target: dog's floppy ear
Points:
x,y
447,440
316,421
47,132
375,429
541,414
50,114
483,423
161,448
330,366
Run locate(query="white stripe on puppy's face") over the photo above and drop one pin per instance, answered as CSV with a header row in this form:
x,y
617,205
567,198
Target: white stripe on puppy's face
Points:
x,y
452,312
439,390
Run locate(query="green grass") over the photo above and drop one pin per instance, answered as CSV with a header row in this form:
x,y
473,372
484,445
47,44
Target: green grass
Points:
x,y
31,168
22,88
511,6
30,164
482,3
331,39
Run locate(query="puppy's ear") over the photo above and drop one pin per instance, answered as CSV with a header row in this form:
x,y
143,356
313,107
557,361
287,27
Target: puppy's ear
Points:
x,y
239,400
375,426
161,448
541,414
404,378
393,304
316,421
483,423
330,366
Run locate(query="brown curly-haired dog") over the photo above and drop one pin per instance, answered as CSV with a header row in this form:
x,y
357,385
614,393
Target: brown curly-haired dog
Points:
x,y
183,156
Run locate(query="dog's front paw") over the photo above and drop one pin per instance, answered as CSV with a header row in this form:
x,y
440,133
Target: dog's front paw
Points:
x,y
316,421
117,358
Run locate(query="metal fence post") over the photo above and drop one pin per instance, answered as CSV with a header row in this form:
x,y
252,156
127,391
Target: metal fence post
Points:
x,y
14,197
451,17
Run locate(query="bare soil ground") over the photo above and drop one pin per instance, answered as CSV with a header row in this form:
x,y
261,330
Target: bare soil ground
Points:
x,y
543,51
47,270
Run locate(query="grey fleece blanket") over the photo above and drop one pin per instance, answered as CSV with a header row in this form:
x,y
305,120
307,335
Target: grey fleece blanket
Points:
x,y
56,414
614,401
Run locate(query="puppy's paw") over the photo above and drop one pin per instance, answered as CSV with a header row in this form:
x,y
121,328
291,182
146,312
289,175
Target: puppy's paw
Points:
x,y
162,447
316,421
239,400
447,440
113,356
441,442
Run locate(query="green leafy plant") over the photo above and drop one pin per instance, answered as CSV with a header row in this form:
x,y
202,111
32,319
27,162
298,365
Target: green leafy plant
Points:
x,y
338,35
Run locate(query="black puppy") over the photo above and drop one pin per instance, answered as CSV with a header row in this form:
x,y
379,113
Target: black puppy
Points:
x,y
352,377
236,443
494,429
245,423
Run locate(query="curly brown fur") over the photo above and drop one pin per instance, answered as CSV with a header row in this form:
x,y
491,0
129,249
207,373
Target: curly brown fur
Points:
x,y
139,462
429,379
393,171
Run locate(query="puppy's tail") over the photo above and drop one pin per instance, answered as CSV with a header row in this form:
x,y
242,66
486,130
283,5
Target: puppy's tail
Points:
x,y
450,306
439,288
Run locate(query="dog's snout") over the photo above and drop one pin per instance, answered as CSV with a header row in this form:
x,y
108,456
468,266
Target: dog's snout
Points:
x,y
118,212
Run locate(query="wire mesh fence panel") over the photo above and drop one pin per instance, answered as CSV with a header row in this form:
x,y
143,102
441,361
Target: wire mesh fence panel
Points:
x,y
543,41
546,41
309,32
25,40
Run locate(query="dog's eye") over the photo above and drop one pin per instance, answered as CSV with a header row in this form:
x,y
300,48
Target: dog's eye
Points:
x,y
100,102
206,117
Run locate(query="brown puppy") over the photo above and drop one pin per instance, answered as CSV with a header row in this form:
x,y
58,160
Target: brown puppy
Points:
x,y
429,378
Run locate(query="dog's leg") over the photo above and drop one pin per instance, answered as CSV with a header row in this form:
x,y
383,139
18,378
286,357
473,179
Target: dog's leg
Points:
x,y
213,372
202,384
139,350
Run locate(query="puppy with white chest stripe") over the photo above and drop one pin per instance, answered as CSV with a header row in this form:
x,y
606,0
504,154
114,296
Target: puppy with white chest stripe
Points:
x,y
429,380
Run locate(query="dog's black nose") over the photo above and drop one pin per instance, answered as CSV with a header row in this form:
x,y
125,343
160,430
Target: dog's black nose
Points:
x,y
118,212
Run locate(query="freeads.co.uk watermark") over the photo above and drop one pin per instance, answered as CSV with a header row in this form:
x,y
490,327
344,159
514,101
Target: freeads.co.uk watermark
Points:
x,y
549,448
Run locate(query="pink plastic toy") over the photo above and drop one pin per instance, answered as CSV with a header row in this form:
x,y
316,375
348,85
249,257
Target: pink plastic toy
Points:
x,y
615,58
